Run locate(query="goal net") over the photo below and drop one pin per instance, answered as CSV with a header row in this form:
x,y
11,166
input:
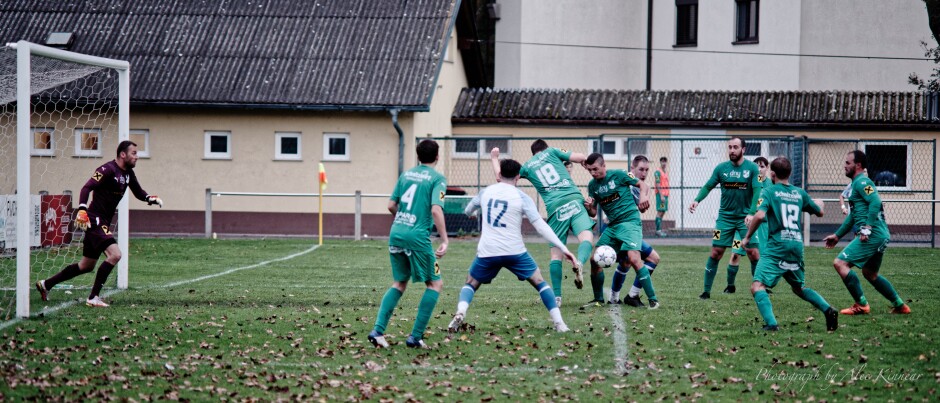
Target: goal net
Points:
x,y
62,115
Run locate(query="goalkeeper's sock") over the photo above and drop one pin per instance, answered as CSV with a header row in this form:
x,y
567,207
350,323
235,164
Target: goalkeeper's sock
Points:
x,y
554,269
597,285
425,309
584,253
732,273
711,269
637,286
644,276
887,290
659,224
103,272
466,297
389,302
813,297
69,272
855,288
765,307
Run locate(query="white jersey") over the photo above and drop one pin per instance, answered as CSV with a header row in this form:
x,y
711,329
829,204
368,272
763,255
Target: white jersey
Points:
x,y
502,207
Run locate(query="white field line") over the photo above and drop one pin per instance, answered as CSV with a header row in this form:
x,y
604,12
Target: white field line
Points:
x,y
620,338
514,370
50,310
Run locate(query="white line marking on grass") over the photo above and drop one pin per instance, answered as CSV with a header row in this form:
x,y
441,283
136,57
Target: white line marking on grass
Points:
x,y
237,269
47,311
620,338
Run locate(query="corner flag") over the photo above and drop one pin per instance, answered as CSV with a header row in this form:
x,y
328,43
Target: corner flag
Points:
x,y
323,180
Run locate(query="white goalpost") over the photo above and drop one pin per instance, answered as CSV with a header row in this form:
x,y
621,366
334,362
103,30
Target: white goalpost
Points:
x,y
65,104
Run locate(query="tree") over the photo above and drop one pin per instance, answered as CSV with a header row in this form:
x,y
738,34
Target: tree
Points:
x,y
933,53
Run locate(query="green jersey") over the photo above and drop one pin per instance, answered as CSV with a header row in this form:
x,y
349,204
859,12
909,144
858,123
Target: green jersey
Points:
x,y
739,189
417,190
614,196
547,173
866,208
784,206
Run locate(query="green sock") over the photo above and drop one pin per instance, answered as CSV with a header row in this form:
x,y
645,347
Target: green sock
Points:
x,y
885,288
765,307
855,288
732,273
389,302
554,269
584,253
647,282
597,284
813,297
659,223
711,269
425,309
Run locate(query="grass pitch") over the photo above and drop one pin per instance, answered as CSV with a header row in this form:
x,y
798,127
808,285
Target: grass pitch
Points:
x,y
206,320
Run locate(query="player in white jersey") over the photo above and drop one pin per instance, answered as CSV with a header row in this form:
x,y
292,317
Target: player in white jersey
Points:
x,y
501,208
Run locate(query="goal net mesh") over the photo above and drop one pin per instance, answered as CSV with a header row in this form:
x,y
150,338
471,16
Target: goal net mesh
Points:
x,y
73,130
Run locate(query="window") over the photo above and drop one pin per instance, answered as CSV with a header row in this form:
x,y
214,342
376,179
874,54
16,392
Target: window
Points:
x,y
686,22
620,147
610,147
141,137
753,148
287,146
87,142
889,164
474,147
335,146
43,142
635,147
218,146
778,149
746,21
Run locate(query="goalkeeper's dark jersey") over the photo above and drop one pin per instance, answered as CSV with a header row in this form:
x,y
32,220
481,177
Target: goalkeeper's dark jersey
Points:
x,y
109,182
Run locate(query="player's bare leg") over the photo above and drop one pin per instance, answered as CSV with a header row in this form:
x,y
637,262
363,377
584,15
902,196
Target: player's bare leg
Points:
x,y
711,269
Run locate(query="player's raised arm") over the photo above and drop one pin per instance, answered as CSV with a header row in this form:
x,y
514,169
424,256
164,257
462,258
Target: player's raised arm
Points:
x,y
494,160
576,158
812,206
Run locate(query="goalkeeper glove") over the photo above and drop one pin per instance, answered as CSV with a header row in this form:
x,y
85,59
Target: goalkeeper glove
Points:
x,y
81,219
154,199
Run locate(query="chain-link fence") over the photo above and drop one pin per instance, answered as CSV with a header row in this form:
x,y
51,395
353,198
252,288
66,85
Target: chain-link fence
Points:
x,y
903,169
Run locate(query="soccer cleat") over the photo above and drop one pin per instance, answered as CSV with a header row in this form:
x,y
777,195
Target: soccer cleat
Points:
x,y
902,310
96,302
771,328
455,323
594,303
705,295
416,343
730,289
635,302
614,302
661,233
856,309
578,277
377,339
832,319
43,292
654,304
561,327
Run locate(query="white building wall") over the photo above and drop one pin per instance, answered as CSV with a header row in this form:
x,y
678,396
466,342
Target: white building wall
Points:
x,y
601,44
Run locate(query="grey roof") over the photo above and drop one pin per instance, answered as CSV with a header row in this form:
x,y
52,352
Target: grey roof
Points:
x,y
356,54
722,108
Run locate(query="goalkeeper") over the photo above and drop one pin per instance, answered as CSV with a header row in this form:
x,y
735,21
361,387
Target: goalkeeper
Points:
x,y
109,183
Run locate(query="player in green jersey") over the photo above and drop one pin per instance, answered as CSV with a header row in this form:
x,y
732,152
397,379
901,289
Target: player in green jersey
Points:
x,y
781,208
563,202
764,167
610,189
867,249
738,179
417,203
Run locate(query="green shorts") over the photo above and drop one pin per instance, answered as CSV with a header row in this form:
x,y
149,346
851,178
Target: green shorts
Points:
x,y
662,202
570,216
728,233
865,254
770,269
622,236
418,265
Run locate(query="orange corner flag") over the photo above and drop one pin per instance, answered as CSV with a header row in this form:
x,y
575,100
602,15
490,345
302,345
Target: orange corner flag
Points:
x,y
323,180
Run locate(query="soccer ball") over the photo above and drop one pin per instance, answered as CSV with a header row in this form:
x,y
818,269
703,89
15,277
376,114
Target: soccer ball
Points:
x,y
605,256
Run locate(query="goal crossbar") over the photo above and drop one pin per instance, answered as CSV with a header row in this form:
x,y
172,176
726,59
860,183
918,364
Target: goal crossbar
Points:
x,y
24,50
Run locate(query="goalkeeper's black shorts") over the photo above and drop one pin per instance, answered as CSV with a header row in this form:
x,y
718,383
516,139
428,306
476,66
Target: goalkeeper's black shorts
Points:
x,y
97,238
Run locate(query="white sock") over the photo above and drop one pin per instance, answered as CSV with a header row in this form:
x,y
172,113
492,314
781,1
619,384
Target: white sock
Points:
x,y
634,291
555,313
462,307
614,295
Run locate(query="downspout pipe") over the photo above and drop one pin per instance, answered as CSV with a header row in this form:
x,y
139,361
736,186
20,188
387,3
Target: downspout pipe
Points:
x,y
649,46
401,140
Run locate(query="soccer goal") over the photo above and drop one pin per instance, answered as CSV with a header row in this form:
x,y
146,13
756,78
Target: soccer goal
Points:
x,y
62,115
